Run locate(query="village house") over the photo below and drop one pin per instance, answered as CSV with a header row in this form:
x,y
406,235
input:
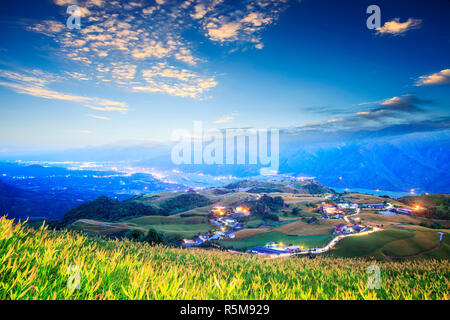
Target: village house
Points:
x,y
375,205
406,211
348,228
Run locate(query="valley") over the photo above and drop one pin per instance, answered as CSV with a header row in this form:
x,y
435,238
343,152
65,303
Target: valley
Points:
x,y
279,215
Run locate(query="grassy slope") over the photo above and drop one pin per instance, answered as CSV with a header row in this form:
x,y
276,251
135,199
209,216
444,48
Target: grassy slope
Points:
x,y
391,242
34,265
275,236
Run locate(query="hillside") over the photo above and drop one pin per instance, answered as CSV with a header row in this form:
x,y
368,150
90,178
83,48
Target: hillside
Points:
x,y
185,203
277,217
106,209
296,187
435,206
37,264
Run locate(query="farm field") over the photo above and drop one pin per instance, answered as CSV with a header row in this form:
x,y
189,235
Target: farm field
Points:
x,y
402,235
35,265
185,227
275,236
390,242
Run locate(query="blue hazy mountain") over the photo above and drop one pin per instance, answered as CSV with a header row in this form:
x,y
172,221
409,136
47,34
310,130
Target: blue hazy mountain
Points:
x,y
388,159
42,192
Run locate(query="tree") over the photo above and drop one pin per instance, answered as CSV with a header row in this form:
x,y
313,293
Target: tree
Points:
x,y
135,235
153,237
436,225
272,217
296,211
173,240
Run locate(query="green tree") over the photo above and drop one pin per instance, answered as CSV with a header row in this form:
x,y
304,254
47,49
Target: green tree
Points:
x,y
153,237
135,235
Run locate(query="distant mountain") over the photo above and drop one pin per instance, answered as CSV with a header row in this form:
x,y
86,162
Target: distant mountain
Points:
x,y
20,204
48,192
392,159
398,164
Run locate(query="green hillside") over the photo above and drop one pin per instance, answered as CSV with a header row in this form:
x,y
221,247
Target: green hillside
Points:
x,y
297,187
38,264
107,209
393,244
435,206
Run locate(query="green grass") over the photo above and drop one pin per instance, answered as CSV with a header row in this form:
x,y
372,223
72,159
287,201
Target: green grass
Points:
x,y
421,241
34,264
390,242
254,222
175,219
184,230
442,253
186,227
275,236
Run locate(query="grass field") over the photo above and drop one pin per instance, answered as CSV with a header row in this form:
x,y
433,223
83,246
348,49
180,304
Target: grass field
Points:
x,y
35,265
300,228
391,242
184,230
275,236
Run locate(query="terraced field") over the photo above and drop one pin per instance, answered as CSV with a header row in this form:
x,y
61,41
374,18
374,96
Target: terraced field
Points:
x,y
391,242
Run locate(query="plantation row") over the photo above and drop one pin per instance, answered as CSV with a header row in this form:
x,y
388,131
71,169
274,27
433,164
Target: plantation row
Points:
x,y
43,264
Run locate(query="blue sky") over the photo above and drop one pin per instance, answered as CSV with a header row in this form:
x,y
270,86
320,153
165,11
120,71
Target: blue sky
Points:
x,y
137,70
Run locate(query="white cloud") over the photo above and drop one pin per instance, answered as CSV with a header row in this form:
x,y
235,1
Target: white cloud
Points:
x,y
441,77
48,27
168,79
142,36
98,117
223,32
395,27
30,85
227,118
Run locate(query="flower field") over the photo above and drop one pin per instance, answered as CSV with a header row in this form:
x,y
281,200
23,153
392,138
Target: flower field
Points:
x,y
44,264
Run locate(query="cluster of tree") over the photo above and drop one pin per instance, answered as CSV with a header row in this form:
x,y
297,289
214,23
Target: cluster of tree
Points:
x,y
437,206
153,237
433,225
106,209
183,202
439,212
266,206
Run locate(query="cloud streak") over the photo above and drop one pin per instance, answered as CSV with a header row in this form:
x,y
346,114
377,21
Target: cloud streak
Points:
x,y
29,84
395,27
438,78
